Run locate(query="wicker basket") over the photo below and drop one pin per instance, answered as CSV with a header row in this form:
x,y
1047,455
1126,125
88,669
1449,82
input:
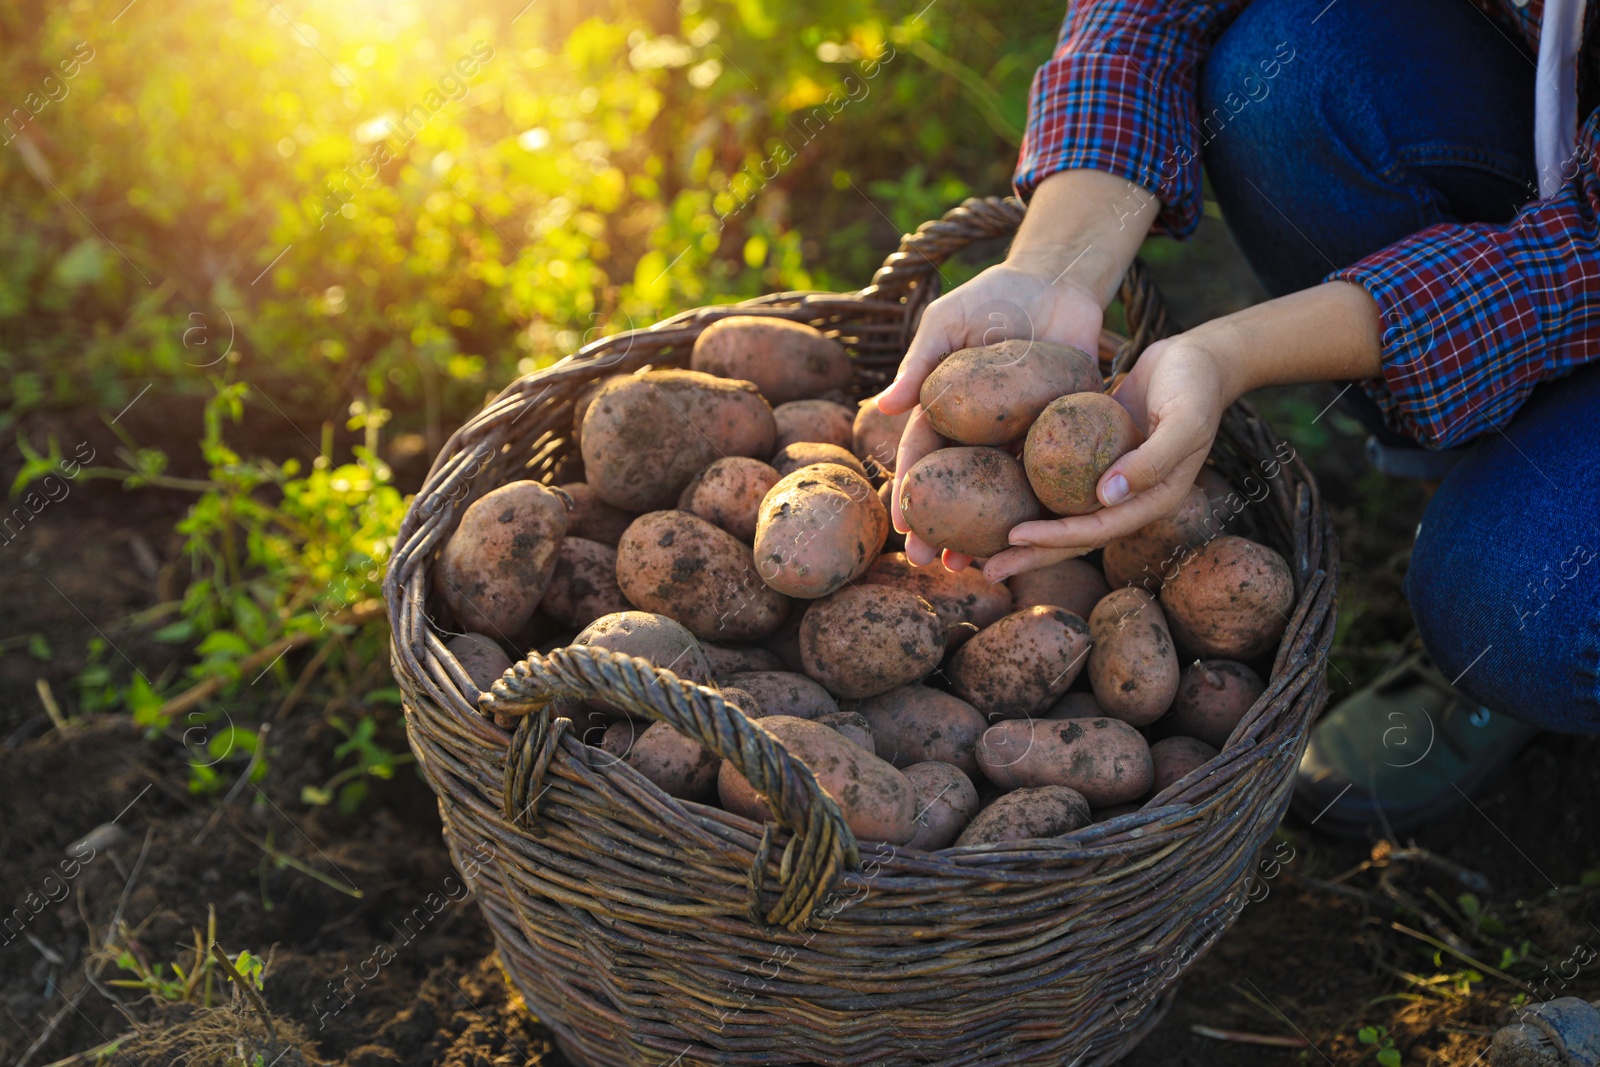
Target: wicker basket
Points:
x,y
647,930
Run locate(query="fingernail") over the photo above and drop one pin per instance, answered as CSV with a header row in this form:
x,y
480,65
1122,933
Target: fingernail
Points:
x,y
1116,489
1021,544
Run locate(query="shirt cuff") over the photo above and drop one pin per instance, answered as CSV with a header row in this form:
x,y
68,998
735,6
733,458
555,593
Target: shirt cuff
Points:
x,y
1095,111
1460,333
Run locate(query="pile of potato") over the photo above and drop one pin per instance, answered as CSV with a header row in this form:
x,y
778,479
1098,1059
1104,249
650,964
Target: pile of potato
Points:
x,y
729,523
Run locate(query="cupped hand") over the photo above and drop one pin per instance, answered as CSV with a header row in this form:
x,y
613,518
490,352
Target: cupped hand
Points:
x,y
1177,393
1002,303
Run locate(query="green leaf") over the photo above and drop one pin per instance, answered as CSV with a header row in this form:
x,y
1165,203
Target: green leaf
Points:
x,y
1389,1057
315,796
175,633
1367,1035
39,648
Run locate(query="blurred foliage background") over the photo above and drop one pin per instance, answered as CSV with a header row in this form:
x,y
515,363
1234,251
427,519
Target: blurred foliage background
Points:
x,y
244,220
406,204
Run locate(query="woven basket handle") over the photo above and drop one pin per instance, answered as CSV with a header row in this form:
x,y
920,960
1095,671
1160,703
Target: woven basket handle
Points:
x,y
823,843
912,272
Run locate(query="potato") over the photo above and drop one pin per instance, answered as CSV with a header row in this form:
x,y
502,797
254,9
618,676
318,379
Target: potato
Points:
x,y
967,499
1106,760
584,584
620,735
1230,598
580,405
876,436
991,395
791,458
646,435
877,801
946,803
1132,666
915,724
783,693
497,563
728,494
744,700
1076,706
592,518
819,528
958,596
568,469
589,725
481,657
738,659
865,640
679,766
1021,664
785,643
1148,555
1218,492
813,420
1026,814
1072,584
1074,442
681,566
1177,756
786,360
851,725
656,638
1213,696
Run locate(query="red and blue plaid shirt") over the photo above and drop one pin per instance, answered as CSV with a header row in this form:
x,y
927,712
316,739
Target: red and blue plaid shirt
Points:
x,y
1476,315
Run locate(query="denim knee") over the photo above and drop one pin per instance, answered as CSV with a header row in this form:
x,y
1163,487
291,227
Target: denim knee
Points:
x,y
1503,592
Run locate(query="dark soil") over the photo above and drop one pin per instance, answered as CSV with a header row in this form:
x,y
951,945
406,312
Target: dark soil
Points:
x,y
1316,960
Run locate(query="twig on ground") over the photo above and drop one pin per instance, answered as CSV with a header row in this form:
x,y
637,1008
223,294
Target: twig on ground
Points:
x,y
1240,1037
263,657
1463,957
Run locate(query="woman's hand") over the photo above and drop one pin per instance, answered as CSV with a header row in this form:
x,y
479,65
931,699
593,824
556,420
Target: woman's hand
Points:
x,y
1176,393
1003,302
1069,255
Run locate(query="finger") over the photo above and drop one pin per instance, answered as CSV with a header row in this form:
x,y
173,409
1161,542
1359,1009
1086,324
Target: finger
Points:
x,y
935,338
955,561
1088,532
1171,445
1016,560
918,552
916,441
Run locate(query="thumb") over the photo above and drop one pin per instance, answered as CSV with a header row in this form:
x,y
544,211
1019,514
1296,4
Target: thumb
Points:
x,y
1174,442
936,337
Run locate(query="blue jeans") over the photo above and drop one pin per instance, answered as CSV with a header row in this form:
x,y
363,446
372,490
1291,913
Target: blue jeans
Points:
x,y
1391,116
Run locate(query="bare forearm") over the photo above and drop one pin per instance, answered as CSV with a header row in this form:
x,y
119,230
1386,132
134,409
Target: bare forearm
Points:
x,y
1086,226
1331,332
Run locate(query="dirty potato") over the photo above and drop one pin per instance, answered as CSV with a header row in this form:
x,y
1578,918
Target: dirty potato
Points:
x,y
681,566
499,560
868,639
991,395
1021,664
967,499
646,435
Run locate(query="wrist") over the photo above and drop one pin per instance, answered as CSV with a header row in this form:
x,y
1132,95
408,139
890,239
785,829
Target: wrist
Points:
x,y
1083,227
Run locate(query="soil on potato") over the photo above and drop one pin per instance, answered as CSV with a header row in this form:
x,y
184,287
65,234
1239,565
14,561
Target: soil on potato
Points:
x,y
1314,959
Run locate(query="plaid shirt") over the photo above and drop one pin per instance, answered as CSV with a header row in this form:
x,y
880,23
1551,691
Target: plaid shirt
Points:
x,y
1475,315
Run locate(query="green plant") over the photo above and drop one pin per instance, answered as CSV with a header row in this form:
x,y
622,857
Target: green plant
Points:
x,y
196,983
1377,1037
370,759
